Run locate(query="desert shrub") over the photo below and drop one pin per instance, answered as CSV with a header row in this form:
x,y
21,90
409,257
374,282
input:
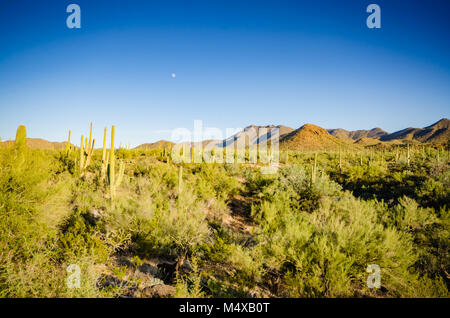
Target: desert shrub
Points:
x,y
160,225
223,241
79,240
248,265
290,190
435,193
39,276
212,180
277,235
408,217
34,204
66,162
430,233
190,285
181,228
325,253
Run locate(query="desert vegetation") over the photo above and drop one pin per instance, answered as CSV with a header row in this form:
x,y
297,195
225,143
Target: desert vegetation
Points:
x,y
139,225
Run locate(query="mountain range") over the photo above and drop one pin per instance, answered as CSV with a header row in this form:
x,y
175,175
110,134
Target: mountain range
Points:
x,y
312,137
439,132
357,134
38,143
156,145
307,137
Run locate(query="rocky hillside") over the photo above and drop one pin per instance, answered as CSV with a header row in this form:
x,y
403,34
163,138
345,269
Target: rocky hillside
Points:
x,y
156,145
375,133
311,137
439,132
38,143
253,135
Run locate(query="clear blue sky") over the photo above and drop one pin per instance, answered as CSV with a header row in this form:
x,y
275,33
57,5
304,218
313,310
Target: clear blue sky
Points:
x,y
236,63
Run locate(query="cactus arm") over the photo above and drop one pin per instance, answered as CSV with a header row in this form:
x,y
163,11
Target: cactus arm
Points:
x,y
89,155
81,154
104,146
105,157
112,181
68,147
90,139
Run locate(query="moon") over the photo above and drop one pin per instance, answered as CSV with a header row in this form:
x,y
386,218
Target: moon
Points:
x,y
173,75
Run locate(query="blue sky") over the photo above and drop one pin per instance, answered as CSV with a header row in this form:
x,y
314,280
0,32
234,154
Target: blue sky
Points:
x,y
236,63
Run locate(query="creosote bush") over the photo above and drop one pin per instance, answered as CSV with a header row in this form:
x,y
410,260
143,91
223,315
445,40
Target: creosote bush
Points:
x,y
234,231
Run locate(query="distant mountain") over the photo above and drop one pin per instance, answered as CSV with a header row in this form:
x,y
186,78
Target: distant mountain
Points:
x,y
311,137
38,143
375,133
253,135
366,141
340,133
308,137
439,132
211,143
156,145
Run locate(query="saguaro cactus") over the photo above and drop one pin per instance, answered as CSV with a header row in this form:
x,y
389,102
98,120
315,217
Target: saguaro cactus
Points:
x,y
82,154
408,155
314,169
89,148
68,146
86,150
21,137
105,157
113,182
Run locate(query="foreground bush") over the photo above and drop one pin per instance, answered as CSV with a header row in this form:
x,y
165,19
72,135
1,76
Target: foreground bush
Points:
x,y
292,234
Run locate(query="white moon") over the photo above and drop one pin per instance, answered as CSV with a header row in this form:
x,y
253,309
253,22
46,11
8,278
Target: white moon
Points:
x,y
174,75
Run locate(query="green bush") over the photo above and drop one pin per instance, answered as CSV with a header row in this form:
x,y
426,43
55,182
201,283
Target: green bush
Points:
x,y
244,233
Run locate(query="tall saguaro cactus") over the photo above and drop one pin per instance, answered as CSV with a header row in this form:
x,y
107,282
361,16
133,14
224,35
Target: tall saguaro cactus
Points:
x,y
105,157
113,182
82,154
408,158
314,169
90,147
68,146
21,137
